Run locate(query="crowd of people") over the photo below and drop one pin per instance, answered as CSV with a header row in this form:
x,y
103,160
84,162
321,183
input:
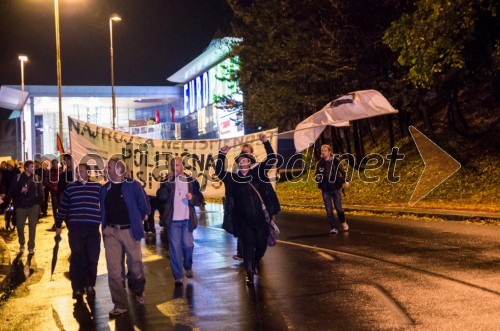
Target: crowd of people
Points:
x,y
121,212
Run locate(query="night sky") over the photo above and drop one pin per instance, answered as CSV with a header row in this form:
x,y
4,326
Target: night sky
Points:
x,y
154,39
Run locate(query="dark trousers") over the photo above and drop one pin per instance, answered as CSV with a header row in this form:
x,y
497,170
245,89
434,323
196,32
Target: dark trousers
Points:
x,y
54,198
149,225
85,244
254,245
239,247
45,204
336,197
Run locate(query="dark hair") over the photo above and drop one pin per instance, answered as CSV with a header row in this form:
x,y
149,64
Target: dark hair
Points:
x,y
27,163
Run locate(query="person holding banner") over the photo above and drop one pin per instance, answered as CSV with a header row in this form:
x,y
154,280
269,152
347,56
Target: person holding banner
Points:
x,y
180,193
246,148
249,187
331,178
124,207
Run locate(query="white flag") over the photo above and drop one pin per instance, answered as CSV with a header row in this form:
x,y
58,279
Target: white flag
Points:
x,y
350,107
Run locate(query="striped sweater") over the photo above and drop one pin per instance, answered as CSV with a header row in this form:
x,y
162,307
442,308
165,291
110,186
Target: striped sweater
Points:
x,y
80,204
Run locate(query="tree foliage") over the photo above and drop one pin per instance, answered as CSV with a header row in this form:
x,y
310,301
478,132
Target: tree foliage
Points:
x,y
441,40
298,55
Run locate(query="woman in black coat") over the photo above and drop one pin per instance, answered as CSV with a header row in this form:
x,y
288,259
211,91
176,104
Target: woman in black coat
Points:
x,y
246,185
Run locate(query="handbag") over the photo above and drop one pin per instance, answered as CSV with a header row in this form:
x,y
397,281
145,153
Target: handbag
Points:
x,y
274,231
228,222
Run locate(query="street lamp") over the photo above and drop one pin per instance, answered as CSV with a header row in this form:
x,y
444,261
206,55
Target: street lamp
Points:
x,y
115,18
58,64
22,59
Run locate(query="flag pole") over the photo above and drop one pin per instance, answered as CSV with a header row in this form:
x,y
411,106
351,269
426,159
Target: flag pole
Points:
x,y
283,133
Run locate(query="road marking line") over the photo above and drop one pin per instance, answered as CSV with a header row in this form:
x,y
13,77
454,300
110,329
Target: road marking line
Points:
x,y
396,311
395,264
326,256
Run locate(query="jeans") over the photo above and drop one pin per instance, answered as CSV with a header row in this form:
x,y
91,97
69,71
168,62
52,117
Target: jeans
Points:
x,y
181,244
336,196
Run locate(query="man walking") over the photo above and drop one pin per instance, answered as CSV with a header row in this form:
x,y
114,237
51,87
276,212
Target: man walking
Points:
x,y
80,208
180,194
124,207
331,178
27,193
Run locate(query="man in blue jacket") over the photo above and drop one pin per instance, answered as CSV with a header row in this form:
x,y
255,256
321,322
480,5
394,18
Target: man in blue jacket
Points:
x,y
124,207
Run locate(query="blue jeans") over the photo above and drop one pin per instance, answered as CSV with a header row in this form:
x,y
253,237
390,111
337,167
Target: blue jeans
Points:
x,y
181,244
336,196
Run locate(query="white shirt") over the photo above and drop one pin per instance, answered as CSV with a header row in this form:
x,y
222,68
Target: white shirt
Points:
x,y
181,203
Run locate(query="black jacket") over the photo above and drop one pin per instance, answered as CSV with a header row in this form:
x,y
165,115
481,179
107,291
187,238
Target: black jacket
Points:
x,y
32,197
245,202
330,175
166,194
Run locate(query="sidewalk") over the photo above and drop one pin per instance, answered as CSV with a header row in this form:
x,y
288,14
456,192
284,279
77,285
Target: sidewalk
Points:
x,y
450,214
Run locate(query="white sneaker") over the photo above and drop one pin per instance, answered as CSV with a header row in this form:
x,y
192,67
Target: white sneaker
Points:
x,y
334,231
345,227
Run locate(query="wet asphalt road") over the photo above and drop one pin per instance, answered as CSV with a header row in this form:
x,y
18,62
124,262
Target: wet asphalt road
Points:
x,y
383,274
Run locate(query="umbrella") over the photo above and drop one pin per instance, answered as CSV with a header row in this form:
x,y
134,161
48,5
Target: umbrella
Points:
x,y
57,239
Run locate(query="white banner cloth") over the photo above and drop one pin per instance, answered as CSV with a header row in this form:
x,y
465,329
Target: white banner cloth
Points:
x,y
149,159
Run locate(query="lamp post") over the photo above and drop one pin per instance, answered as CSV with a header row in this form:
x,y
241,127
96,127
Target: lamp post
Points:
x,y
115,18
22,59
58,64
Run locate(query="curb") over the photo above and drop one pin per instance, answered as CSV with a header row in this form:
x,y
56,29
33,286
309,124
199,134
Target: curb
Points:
x,y
457,215
5,265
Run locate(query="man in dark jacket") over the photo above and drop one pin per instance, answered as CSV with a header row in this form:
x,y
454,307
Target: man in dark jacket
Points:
x,y
27,193
124,207
180,194
331,177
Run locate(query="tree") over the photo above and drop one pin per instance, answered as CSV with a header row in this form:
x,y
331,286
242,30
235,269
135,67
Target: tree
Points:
x,y
444,44
295,56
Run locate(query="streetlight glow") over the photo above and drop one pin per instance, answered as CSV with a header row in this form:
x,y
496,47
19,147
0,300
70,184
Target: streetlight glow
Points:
x,y
113,18
58,66
22,59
